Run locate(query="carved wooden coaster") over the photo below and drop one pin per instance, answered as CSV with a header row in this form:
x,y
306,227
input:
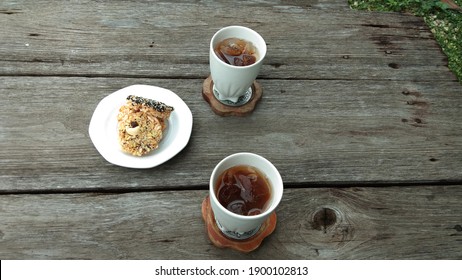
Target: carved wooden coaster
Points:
x,y
221,241
225,110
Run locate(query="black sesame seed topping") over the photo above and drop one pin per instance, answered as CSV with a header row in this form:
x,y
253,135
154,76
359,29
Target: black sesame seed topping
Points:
x,y
156,105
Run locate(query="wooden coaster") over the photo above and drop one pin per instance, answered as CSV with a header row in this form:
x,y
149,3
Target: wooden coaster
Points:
x,y
221,241
225,110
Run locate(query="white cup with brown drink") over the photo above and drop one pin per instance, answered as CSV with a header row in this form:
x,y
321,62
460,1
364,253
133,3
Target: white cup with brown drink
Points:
x,y
245,190
236,56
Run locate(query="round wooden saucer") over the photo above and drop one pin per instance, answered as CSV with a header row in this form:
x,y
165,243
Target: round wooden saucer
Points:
x,y
221,241
225,110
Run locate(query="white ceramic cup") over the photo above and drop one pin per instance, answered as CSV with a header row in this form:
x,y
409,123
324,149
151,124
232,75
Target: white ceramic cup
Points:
x,y
231,82
238,226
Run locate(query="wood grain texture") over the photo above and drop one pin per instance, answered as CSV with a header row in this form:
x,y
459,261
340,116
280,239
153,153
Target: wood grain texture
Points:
x,y
360,114
422,222
156,39
330,132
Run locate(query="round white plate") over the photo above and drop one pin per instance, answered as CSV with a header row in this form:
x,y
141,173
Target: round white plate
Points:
x,y
104,135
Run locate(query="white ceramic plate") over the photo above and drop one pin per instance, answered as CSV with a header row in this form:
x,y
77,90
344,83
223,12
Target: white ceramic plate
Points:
x,y
104,135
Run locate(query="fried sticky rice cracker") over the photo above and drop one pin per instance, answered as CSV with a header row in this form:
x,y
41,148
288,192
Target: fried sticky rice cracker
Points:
x,y
141,123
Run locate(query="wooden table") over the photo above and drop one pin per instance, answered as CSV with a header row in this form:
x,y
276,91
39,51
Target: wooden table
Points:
x,y
360,115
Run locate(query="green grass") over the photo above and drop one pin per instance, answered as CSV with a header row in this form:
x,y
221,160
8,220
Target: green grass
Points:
x,y
445,23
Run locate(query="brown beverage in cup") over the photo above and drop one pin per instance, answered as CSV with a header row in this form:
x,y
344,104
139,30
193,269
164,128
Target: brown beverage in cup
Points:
x,y
243,190
231,83
238,226
237,52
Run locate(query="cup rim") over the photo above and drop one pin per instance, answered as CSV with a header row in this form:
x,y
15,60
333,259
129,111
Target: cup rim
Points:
x,y
268,211
261,57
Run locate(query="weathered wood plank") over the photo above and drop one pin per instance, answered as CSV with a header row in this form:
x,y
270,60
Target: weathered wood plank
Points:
x,y
145,39
315,132
350,99
421,222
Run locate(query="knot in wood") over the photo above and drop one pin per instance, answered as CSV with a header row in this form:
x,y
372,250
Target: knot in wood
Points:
x,y
324,218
